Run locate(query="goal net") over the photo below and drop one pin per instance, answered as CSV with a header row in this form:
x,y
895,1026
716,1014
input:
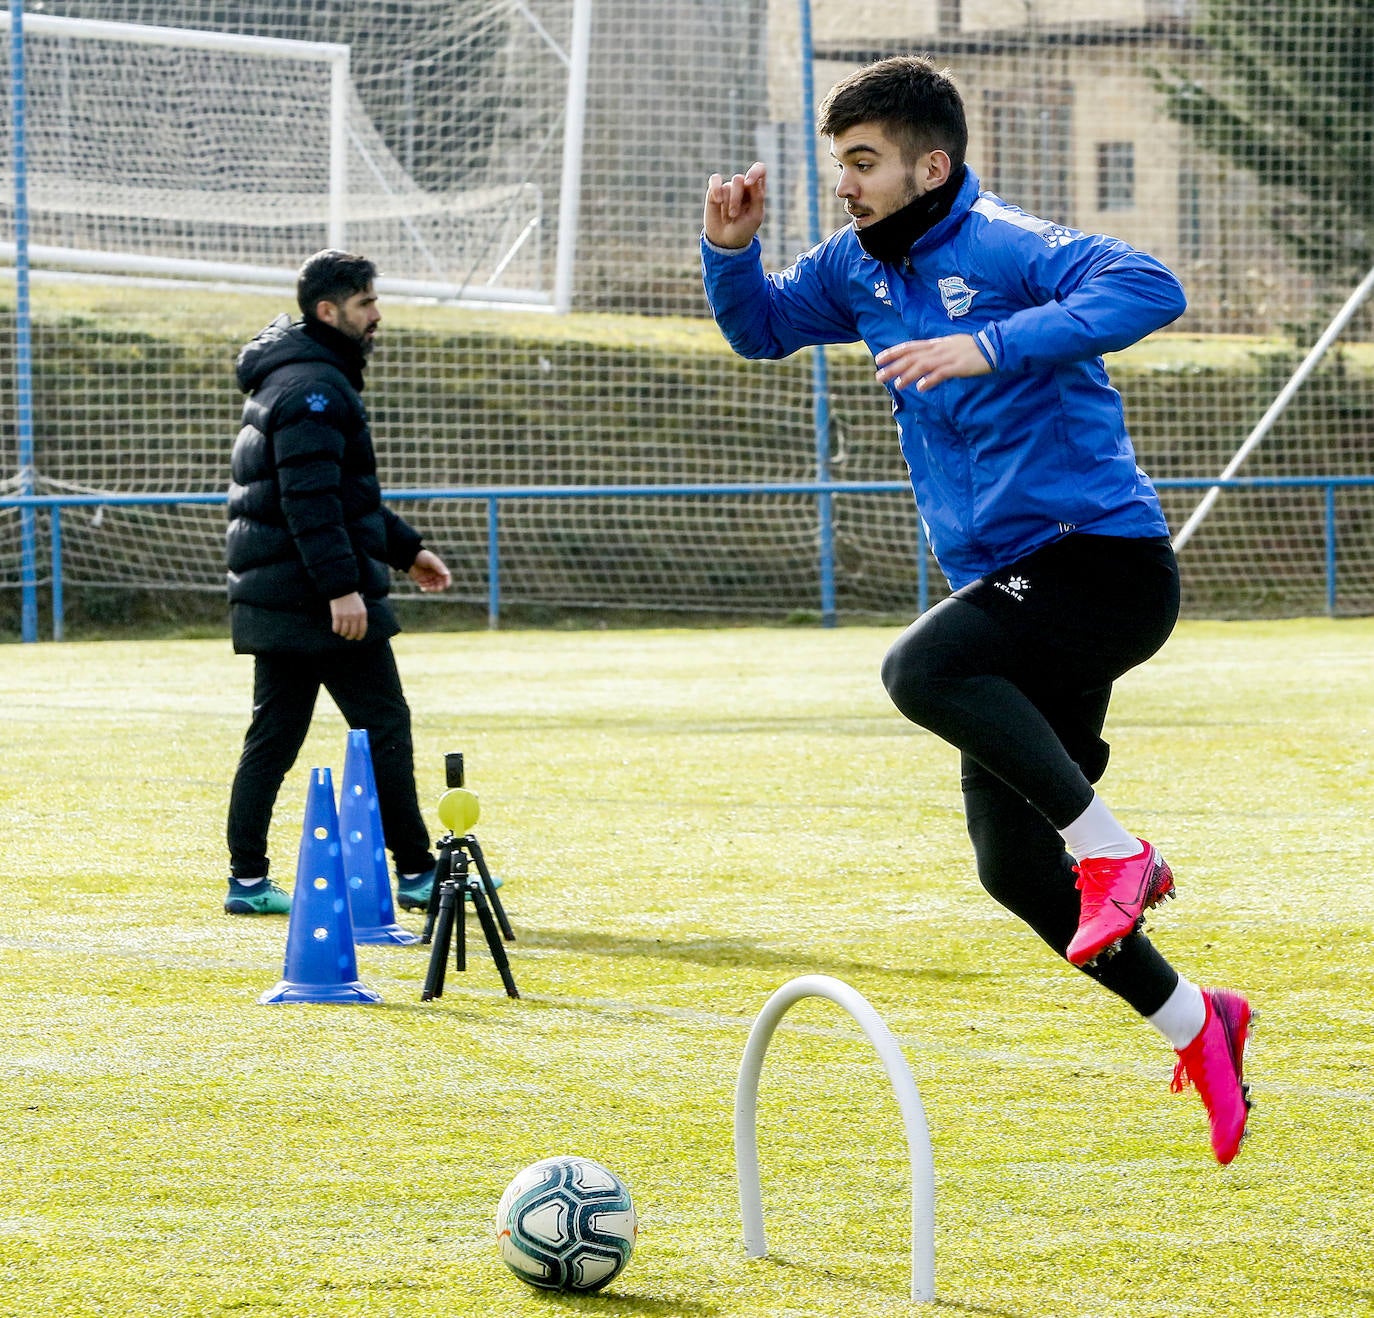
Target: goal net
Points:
x,y
1155,120
188,153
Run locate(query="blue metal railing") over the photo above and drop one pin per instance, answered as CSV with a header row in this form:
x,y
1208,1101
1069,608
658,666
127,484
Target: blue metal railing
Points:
x,y
495,495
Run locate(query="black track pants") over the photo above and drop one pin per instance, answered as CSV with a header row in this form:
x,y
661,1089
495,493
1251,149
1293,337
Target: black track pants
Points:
x,y
1016,671
364,683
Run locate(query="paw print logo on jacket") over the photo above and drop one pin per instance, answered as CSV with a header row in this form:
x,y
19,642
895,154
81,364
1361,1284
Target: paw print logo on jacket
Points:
x,y
316,402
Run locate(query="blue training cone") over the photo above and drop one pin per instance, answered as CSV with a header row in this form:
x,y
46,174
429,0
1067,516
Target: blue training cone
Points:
x,y
364,849
321,965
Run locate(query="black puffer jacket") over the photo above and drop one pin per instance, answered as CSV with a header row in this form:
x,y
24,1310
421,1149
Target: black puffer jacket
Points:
x,y
306,519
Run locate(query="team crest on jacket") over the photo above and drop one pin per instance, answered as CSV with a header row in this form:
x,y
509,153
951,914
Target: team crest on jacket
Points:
x,y
956,295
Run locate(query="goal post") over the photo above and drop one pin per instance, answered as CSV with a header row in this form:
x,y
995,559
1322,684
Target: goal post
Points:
x,y
49,39
160,152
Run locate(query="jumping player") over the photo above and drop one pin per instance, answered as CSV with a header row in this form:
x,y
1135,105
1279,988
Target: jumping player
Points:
x,y
988,327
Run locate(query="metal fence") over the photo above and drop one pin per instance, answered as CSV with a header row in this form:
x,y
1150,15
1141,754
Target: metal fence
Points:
x,y
928,587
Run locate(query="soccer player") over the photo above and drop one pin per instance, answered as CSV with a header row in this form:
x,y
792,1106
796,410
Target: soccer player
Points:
x,y
310,547
988,327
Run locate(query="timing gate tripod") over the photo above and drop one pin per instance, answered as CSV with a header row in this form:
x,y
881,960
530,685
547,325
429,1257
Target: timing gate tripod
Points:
x,y
460,875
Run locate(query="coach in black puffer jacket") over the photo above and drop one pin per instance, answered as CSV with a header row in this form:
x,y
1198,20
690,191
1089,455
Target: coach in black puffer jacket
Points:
x,y
307,523
310,548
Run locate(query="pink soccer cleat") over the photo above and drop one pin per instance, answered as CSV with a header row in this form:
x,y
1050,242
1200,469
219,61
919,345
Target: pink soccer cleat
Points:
x,y
1116,894
1214,1063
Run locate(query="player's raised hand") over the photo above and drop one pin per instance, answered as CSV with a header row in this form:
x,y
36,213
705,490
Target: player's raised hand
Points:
x,y
734,207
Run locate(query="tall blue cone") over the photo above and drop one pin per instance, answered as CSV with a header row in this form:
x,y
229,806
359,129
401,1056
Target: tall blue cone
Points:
x,y
364,849
321,965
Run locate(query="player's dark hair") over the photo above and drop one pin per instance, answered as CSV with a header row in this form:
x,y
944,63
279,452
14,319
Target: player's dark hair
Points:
x,y
916,103
332,276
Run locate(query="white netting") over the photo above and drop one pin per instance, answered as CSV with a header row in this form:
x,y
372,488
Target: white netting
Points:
x,y
191,144
1175,124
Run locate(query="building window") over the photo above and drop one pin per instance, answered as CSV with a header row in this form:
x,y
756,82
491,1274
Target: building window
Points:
x,y
949,16
1030,149
1115,176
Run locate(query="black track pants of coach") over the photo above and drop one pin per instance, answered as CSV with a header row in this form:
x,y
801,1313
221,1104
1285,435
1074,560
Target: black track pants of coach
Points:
x,y
363,682
1016,671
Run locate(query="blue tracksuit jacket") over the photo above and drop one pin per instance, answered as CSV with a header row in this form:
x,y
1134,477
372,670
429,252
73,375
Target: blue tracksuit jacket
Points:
x,y
1000,464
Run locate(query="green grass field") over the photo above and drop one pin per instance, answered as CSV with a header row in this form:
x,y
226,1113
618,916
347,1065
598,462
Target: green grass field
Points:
x,y
685,820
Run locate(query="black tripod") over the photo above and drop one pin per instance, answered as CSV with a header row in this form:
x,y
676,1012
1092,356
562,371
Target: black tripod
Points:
x,y
461,874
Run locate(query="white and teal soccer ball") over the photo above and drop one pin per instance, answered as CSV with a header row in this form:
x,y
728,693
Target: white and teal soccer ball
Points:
x,y
566,1224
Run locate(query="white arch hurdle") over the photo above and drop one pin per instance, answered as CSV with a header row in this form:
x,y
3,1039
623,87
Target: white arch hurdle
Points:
x,y
908,1099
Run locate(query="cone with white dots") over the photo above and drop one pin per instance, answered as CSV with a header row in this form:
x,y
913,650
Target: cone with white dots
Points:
x,y
364,849
321,965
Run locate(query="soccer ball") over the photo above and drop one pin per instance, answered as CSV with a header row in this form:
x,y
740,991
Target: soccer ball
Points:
x,y
566,1224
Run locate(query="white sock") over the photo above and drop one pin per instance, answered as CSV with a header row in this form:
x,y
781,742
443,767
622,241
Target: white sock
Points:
x,y
1096,833
1181,1018
251,883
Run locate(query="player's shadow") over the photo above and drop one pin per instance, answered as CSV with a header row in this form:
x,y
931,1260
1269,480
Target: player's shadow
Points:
x,y
722,953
